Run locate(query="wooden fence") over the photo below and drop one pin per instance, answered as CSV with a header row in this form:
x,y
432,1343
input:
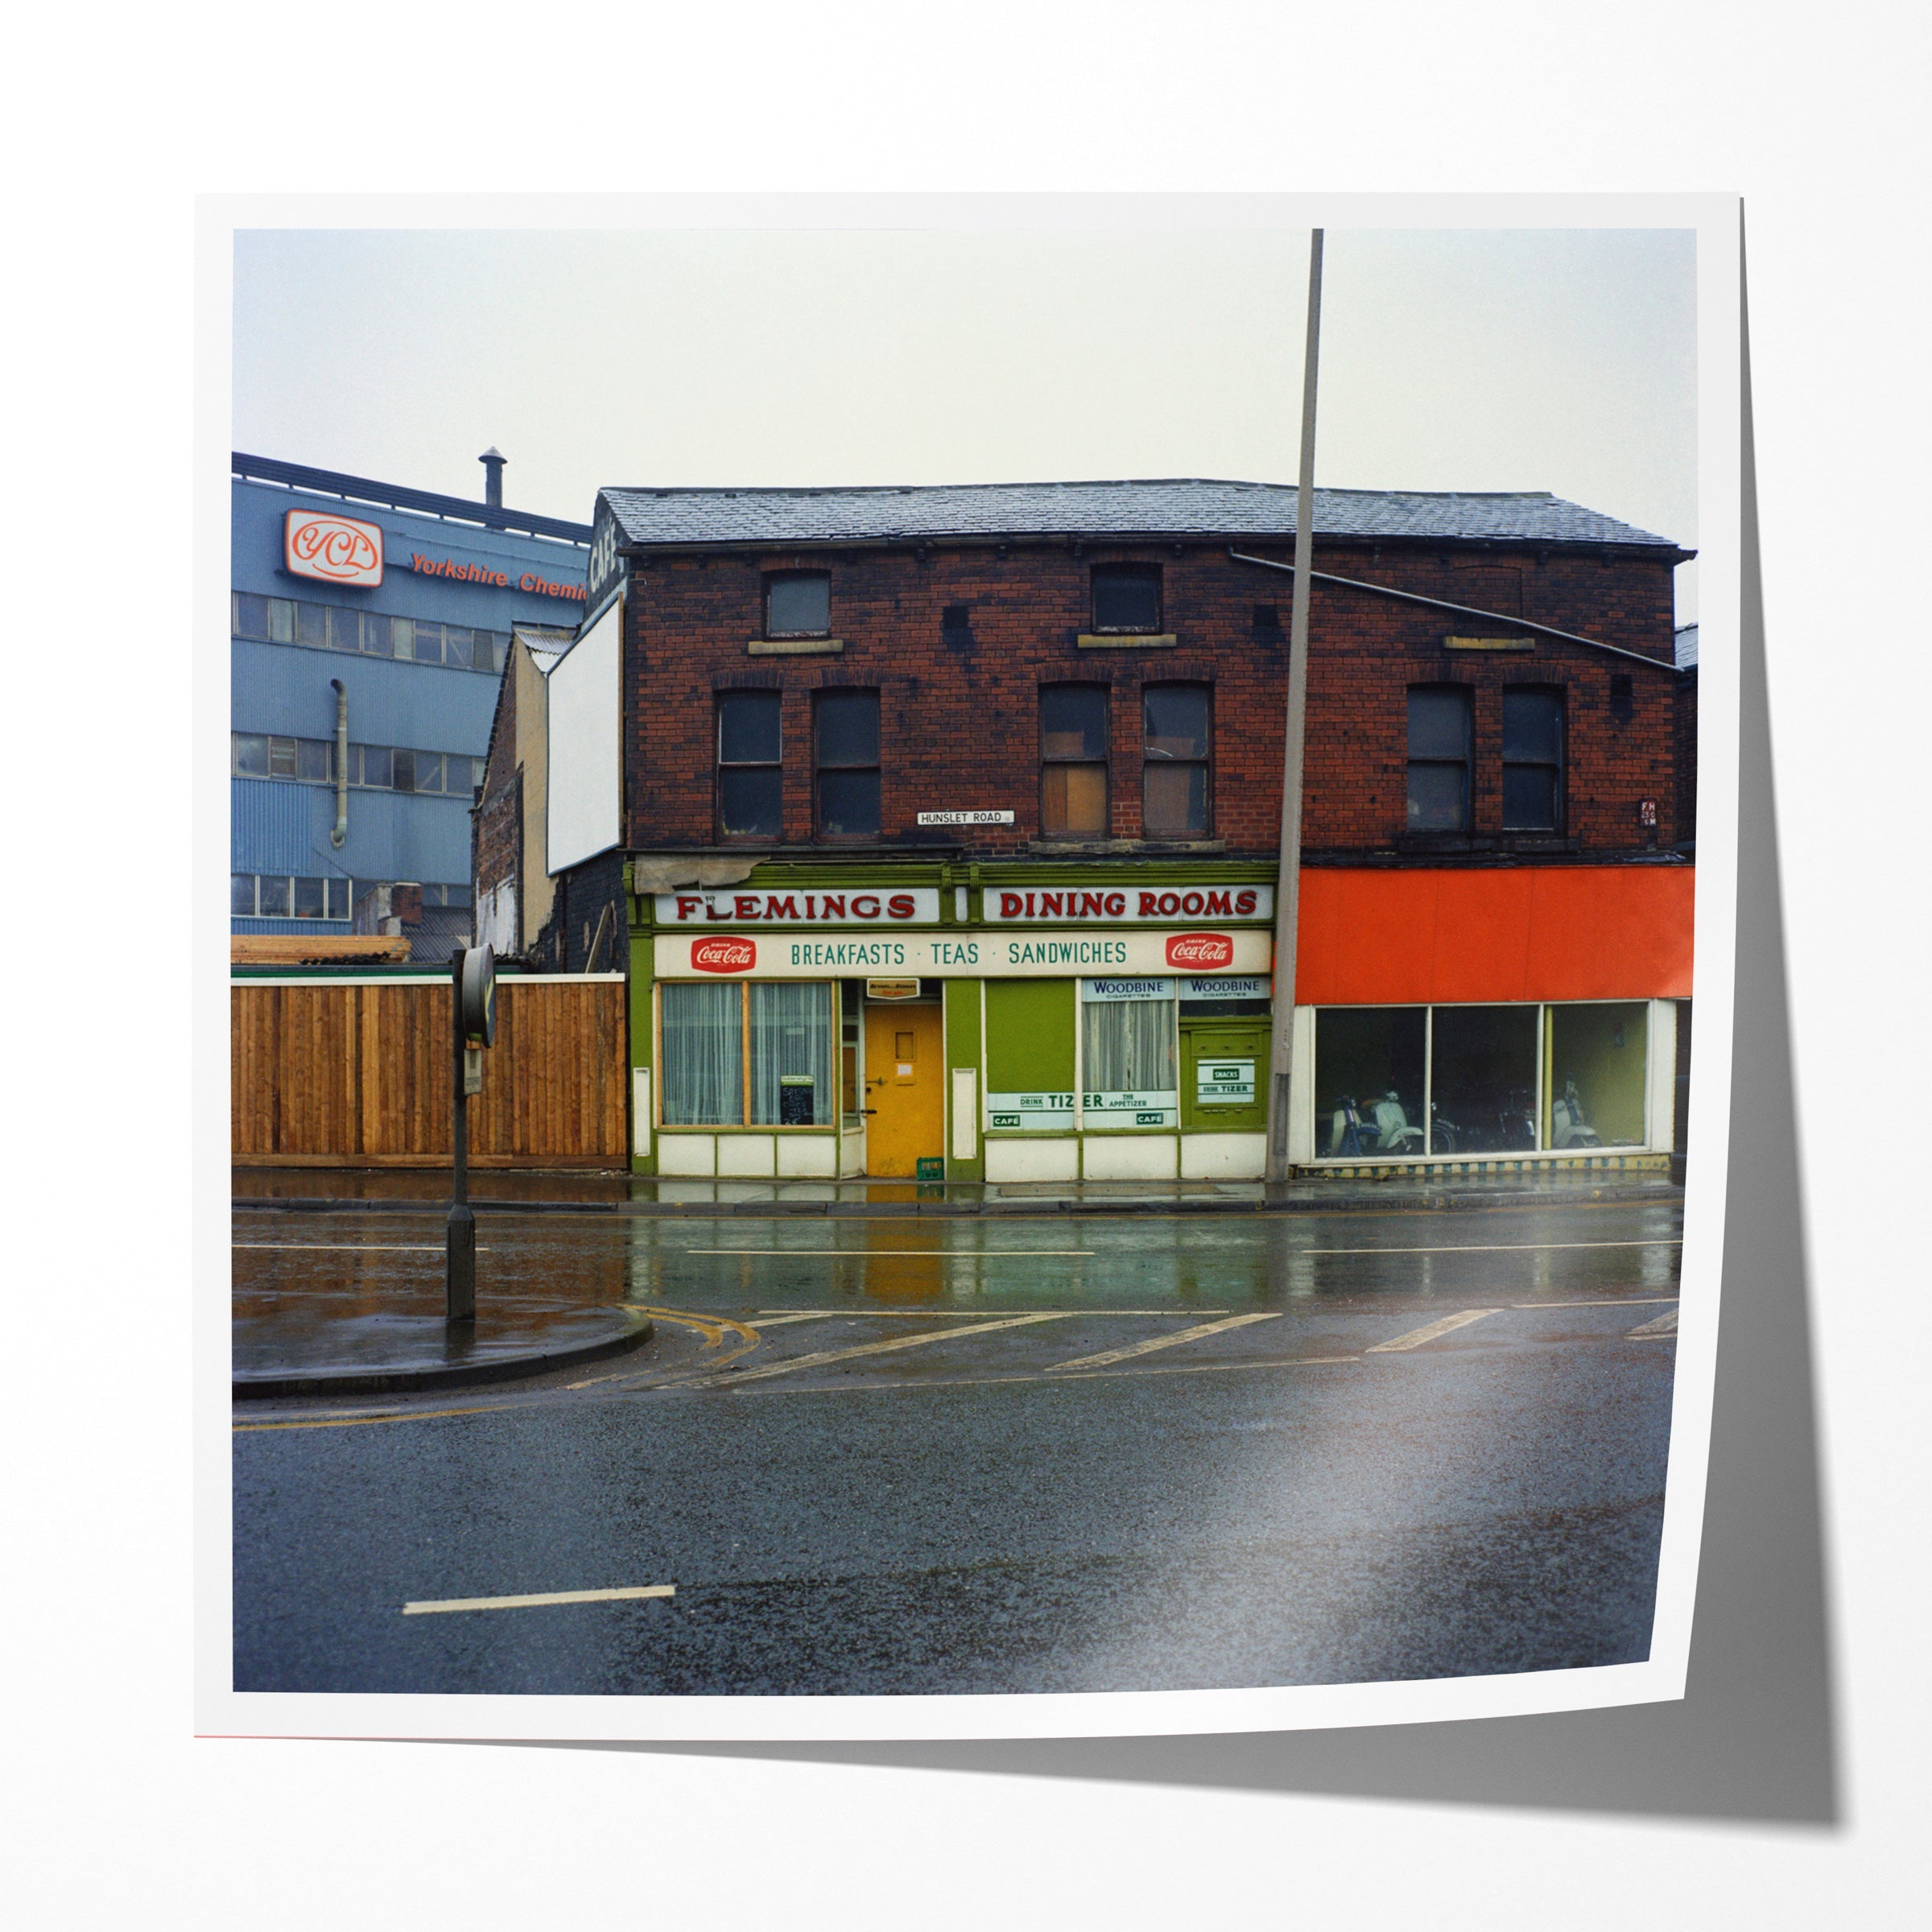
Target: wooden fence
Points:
x,y
358,1075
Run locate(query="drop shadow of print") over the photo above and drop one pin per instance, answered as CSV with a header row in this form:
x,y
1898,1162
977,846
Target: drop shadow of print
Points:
x,y
1755,1736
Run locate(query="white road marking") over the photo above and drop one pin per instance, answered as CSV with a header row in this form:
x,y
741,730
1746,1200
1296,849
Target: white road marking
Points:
x,y
1659,1330
1498,1247
352,1247
1607,1301
1163,1341
1416,1337
546,1596
845,1354
864,1254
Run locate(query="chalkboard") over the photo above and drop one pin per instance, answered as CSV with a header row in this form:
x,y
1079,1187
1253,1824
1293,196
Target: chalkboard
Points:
x,y
794,1099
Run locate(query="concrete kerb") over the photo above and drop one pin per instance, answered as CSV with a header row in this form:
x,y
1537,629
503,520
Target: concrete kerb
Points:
x,y
1368,1201
455,1375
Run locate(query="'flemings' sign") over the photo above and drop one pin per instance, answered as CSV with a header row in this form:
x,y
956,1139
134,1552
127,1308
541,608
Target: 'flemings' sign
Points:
x,y
337,549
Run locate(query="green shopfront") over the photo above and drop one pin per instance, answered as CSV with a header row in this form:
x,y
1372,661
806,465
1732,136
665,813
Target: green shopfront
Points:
x,y
995,1023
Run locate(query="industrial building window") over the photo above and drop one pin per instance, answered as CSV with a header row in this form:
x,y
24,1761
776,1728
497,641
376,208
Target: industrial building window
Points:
x,y
757,1052
1175,755
798,603
1533,761
750,779
1073,761
1127,597
272,895
373,634
1439,758
846,756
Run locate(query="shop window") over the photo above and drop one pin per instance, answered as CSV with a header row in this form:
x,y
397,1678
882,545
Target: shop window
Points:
x,y
1127,597
1533,761
791,1071
1595,1063
1439,758
852,1006
1174,768
1129,1049
1073,761
750,780
798,603
1483,1079
702,1054
1368,1081
845,728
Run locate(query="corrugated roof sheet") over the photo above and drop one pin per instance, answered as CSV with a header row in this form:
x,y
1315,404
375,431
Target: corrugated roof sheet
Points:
x,y
1184,507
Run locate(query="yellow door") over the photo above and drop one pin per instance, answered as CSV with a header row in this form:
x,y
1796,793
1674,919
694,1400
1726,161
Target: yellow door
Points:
x,y
904,1046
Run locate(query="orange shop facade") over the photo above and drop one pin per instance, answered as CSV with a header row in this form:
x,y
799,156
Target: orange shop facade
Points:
x,y
1111,1021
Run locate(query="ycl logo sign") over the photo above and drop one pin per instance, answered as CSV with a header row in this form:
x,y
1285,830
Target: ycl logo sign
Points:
x,y
724,956
338,550
1201,951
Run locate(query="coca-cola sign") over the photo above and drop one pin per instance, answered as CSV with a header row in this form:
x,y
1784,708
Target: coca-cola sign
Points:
x,y
724,956
1201,951
338,550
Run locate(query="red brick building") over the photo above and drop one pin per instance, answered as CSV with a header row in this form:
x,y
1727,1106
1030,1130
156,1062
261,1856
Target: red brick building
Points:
x,y
970,798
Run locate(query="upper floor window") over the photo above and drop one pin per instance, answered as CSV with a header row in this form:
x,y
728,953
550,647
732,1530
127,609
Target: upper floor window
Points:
x,y
1533,761
751,778
1073,761
1127,596
1439,758
798,603
845,726
1175,760
372,634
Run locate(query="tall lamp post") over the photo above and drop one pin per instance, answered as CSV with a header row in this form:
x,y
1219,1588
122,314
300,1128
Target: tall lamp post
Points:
x,y
1287,892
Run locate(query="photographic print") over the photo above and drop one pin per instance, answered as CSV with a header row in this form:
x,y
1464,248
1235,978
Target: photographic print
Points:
x,y
965,943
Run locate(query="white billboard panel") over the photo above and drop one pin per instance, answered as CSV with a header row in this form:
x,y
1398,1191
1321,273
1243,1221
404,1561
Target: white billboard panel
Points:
x,y
585,814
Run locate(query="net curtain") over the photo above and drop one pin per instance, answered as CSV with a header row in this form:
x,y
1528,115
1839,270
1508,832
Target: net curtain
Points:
x,y
703,1050
1129,1046
790,1033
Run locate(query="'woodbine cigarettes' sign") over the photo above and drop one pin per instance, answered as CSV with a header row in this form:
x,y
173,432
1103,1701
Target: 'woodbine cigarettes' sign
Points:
x,y
791,955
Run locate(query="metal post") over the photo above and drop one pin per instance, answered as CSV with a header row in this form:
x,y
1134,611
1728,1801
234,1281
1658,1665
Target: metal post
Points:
x,y
1287,892
460,1296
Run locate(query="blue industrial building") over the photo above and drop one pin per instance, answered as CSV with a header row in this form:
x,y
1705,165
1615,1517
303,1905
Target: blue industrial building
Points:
x,y
370,626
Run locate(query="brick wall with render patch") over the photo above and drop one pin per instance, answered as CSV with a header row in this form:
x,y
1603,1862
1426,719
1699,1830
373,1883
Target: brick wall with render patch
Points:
x,y
959,706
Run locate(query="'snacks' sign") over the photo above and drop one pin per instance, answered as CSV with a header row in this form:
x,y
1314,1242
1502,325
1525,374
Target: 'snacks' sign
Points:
x,y
336,549
1126,905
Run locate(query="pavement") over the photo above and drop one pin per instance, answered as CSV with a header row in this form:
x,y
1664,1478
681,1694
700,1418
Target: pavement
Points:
x,y
1072,1451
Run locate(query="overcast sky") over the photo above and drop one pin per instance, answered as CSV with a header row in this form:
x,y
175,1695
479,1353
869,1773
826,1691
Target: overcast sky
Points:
x,y
1562,360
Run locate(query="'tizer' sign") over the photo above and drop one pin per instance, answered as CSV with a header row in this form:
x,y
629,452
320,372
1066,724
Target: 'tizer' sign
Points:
x,y
336,549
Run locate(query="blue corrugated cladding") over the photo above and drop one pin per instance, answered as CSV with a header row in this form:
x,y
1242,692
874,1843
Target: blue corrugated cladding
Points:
x,y
272,828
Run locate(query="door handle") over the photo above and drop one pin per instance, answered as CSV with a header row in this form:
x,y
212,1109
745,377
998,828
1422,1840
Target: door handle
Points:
x,y
868,1110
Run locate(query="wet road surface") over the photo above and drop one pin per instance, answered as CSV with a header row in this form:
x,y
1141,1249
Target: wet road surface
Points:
x,y
1068,1452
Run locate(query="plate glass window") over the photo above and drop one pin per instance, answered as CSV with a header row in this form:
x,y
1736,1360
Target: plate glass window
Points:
x,y
1368,1080
846,724
750,781
1174,772
1127,597
1073,761
798,604
1533,761
1438,759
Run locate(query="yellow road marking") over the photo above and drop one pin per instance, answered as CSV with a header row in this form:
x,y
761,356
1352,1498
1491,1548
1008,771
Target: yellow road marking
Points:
x,y
714,1328
1164,1341
823,1356
546,1596
864,1254
970,1314
356,1421
1660,1330
1079,1375
1416,1337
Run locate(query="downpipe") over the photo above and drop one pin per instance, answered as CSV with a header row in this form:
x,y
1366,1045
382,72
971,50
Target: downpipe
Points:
x,y
342,828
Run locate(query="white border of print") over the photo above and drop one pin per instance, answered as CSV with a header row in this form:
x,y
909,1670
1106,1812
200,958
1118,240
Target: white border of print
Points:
x,y
220,1710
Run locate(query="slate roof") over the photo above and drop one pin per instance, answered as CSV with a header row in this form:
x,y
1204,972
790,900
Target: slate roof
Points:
x,y
1183,507
1686,646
